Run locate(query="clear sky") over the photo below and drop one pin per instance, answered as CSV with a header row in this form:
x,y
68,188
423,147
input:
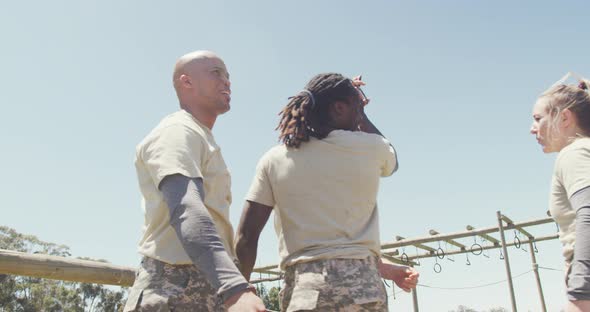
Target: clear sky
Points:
x,y
452,85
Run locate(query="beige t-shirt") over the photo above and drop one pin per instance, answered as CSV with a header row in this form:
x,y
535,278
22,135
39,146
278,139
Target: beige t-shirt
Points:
x,y
324,195
180,144
571,174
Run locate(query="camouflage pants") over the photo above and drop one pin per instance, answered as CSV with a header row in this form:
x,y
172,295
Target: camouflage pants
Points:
x,y
164,287
344,285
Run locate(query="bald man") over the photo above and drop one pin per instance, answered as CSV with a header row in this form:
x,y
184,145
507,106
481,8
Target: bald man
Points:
x,y
187,245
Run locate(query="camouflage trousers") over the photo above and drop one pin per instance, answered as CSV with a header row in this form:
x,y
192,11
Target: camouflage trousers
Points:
x,y
344,285
164,287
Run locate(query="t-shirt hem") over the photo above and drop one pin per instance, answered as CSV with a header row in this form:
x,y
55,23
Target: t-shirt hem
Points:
x,y
166,260
184,172
257,200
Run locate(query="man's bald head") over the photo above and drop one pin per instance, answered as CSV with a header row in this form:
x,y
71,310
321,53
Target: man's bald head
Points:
x,y
202,83
191,62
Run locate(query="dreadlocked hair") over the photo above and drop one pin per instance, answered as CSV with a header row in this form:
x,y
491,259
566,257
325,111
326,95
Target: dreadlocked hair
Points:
x,y
306,115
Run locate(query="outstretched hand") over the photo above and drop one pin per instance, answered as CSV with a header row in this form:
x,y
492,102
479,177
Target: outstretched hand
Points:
x,y
405,277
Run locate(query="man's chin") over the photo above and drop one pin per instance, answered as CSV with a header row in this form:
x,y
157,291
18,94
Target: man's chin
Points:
x,y
224,108
548,150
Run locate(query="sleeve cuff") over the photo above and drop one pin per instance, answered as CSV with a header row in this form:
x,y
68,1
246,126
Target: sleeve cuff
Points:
x,y
239,286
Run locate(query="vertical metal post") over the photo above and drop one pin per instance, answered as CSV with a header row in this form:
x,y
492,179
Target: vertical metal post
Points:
x,y
537,277
415,299
506,261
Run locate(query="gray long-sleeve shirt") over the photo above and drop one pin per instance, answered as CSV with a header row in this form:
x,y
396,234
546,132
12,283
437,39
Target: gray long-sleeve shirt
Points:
x,y
196,231
578,280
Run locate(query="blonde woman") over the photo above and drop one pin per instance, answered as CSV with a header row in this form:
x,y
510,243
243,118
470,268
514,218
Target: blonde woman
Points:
x,y
562,125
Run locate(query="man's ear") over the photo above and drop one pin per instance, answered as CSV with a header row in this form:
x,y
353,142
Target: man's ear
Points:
x,y
185,81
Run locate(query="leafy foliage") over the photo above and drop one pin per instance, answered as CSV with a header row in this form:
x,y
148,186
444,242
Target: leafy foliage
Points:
x,y
269,297
24,294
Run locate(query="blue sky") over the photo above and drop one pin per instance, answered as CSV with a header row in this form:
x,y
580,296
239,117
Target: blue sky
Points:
x,y
452,86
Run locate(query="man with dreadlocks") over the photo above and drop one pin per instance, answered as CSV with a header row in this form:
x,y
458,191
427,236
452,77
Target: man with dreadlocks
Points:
x,y
322,182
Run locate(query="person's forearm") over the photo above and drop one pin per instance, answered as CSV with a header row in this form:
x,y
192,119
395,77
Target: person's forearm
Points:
x,y
246,250
385,264
254,217
579,276
197,233
367,126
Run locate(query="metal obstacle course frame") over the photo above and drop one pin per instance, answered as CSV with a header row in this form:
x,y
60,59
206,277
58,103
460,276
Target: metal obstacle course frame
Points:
x,y
68,269
391,250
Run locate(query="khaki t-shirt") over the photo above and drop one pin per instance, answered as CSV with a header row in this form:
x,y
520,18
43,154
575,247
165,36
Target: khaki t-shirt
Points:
x,y
180,144
324,195
571,174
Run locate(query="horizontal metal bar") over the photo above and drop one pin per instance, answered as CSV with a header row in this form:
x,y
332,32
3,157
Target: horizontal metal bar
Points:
x,y
519,228
267,272
450,241
268,267
486,247
484,236
399,261
394,252
262,280
434,238
421,246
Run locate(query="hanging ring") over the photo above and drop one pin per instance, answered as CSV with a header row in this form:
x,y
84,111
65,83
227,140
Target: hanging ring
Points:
x,y
404,258
516,242
440,253
437,268
476,249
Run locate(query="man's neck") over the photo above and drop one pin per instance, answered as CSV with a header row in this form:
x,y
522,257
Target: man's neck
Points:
x,y
206,119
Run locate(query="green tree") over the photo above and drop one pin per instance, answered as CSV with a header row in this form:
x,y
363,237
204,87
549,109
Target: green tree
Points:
x,y
269,297
271,301
24,294
111,301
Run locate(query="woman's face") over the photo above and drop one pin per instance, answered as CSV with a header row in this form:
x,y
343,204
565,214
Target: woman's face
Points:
x,y
540,127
